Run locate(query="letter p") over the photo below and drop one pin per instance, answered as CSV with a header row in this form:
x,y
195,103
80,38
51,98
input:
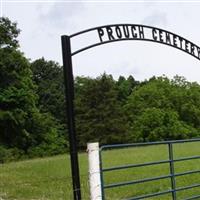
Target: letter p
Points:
x,y
101,33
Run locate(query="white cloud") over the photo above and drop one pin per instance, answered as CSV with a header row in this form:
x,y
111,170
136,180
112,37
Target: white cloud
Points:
x,y
60,14
157,18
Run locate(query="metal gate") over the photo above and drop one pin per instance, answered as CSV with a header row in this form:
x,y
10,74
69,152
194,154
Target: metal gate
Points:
x,y
172,172
104,35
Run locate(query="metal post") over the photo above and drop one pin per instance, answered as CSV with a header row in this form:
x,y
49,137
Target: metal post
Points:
x,y
101,174
69,93
173,181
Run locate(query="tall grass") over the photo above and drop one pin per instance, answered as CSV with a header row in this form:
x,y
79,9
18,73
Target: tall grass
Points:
x,y
50,178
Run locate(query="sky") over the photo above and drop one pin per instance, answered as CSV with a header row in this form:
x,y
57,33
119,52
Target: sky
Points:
x,y
42,22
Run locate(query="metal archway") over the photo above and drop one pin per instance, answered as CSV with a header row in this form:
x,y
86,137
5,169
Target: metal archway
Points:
x,y
107,34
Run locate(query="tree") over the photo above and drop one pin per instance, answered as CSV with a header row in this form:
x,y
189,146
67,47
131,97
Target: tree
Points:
x,y
156,124
48,76
17,98
22,125
125,87
99,115
164,109
8,33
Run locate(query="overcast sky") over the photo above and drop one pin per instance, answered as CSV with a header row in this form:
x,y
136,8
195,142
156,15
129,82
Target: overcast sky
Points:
x,y
43,22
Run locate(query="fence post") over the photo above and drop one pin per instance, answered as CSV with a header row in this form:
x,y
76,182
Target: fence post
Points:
x,y
94,171
171,162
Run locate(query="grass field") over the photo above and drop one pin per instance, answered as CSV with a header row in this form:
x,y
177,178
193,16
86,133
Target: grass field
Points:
x,y
49,178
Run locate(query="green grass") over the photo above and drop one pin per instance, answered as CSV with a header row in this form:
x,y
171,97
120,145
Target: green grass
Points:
x,y
49,178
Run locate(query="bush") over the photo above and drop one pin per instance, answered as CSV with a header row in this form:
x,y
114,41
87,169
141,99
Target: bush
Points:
x,y
45,150
3,153
7,155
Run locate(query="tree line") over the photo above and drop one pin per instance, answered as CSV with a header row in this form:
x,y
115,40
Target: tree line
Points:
x,y
32,106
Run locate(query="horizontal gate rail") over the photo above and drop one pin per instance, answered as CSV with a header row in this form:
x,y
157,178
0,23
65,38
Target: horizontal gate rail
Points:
x,y
188,187
186,173
114,146
149,163
186,158
135,165
151,195
136,182
170,161
149,179
194,197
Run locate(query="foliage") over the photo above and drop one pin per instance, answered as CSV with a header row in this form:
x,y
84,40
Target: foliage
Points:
x,y
125,87
10,154
48,76
32,105
22,125
156,124
158,110
98,112
8,33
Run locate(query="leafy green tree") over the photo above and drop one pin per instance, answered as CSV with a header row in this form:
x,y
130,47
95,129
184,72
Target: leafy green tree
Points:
x,y
99,115
8,33
159,99
156,124
186,100
17,98
125,87
48,76
22,125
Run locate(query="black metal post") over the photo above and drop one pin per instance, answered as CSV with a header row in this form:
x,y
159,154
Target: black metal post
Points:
x,y
69,92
